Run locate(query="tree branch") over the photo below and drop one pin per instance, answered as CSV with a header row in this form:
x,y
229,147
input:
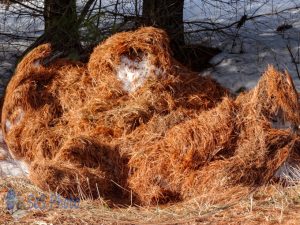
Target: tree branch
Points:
x,y
26,6
85,11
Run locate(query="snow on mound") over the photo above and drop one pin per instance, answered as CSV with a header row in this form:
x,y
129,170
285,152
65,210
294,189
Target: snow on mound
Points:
x,y
17,118
134,72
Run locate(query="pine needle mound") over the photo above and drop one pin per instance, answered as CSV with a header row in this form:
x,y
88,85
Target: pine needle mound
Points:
x,y
66,120
232,145
133,124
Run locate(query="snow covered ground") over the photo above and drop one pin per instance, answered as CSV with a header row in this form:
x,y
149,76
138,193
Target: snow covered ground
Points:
x,y
249,49
246,50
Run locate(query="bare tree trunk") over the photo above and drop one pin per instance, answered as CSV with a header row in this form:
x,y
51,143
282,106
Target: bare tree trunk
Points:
x,y
61,24
166,14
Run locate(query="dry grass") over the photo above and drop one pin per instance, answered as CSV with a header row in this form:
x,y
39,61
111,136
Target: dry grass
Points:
x,y
270,204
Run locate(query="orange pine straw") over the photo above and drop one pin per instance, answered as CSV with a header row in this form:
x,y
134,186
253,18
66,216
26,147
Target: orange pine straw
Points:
x,y
177,136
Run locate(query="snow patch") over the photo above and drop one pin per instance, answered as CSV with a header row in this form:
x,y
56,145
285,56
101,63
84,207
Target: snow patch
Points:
x,y
133,73
281,125
7,125
9,166
23,166
288,172
13,168
19,118
37,63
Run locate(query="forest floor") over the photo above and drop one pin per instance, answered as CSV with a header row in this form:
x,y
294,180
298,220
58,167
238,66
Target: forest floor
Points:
x,y
271,204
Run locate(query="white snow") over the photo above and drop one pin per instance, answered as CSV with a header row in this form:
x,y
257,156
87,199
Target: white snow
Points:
x,y
7,125
289,173
12,167
8,165
247,51
134,72
281,124
37,63
19,118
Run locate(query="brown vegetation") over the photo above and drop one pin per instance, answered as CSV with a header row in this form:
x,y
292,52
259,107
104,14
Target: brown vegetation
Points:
x,y
175,136
233,144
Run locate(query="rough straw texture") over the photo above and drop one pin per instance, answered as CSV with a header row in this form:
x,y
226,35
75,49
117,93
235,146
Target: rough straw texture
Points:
x,y
135,124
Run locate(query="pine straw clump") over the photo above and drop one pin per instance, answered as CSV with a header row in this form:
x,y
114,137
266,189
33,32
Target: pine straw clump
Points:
x,y
66,120
133,125
232,144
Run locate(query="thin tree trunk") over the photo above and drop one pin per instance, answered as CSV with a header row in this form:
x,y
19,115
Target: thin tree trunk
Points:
x,y
61,24
166,14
